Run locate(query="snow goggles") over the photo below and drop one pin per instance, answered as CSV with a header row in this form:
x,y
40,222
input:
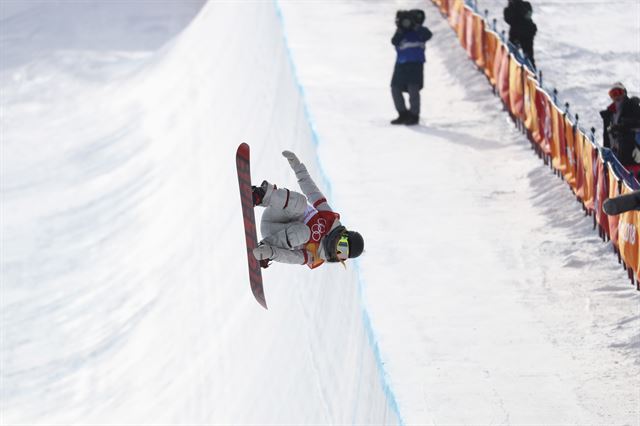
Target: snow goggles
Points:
x,y
616,92
342,249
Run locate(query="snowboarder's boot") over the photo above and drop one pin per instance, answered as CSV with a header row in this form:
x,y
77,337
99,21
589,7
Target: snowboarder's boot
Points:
x,y
259,193
402,117
411,119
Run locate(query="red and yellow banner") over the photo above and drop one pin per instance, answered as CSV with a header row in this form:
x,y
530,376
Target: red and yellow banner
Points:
x,y
503,76
516,88
589,160
491,45
613,220
530,111
558,144
628,235
475,38
601,194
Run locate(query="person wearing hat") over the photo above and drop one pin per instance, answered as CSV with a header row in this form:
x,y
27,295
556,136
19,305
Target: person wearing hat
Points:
x,y
301,229
621,121
408,73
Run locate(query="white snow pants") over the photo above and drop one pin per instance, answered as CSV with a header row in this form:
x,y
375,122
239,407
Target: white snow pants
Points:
x,y
282,223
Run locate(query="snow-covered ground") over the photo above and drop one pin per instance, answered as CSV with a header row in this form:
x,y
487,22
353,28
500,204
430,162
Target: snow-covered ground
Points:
x,y
582,47
494,300
483,297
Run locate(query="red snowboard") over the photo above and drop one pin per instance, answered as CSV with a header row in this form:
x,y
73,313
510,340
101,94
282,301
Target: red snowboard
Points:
x,y
244,180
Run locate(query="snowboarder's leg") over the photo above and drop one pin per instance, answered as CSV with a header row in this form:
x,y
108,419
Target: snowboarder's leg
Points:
x,y
288,204
285,209
285,235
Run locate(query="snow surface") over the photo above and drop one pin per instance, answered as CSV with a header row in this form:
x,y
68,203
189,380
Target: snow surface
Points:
x,y
483,297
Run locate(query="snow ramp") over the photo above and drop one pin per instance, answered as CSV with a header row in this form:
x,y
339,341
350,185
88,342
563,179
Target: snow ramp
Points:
x,y
125,294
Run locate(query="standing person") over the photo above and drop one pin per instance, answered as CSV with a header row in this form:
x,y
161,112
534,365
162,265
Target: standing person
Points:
x,y
522,29
408,74
301,229
621,122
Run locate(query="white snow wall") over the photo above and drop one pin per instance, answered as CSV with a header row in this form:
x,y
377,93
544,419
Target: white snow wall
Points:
x,y
125,294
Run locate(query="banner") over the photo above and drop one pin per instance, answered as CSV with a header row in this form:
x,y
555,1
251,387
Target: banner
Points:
x,y
601,194
475,38
613,220
516,88
491,45
469,36
544,110
580,170
503,76
530,112
589,165
558,151
571,172
628,235
460,25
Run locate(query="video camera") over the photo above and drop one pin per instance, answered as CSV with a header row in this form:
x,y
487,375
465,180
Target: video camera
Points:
x,y
407,19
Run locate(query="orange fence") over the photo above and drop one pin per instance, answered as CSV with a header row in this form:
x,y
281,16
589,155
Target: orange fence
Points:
x,y
592,173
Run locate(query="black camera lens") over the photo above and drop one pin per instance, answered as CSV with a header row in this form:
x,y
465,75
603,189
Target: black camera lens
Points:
x,y
418,16
404,19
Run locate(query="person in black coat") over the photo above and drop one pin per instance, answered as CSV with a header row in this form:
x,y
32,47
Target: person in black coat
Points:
x,y
522,29
409,40
621,122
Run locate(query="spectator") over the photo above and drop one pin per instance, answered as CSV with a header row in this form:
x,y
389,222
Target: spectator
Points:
x,y
620,122
408,74
522,29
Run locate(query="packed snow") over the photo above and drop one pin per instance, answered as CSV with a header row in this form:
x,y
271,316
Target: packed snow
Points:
x,y
483,297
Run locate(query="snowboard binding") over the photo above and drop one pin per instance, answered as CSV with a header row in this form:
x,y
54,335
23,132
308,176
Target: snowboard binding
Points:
x,y
258,192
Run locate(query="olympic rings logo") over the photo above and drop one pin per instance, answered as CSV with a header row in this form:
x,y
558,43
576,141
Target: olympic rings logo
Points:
x,y
318,229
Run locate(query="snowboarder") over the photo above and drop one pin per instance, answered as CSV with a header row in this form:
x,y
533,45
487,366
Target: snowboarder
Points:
x,y
408,74
301,229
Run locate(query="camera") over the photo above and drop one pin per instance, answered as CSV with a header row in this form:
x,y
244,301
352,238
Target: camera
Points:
x,y
407,19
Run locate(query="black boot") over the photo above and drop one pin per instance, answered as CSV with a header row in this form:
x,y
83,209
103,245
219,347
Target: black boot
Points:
x,y
402,117
258,192
412,119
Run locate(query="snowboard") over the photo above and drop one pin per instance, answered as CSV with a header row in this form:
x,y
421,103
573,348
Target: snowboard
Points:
x,y
250,236
622,203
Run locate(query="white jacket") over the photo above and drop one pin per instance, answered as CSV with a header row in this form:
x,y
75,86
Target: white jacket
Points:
x,y
285,221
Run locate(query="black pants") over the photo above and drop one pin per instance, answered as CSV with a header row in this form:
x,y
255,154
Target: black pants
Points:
x,y
414,99
526,44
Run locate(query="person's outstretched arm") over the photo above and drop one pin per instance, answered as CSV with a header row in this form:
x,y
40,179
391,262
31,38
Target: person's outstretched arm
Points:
x,y
307,185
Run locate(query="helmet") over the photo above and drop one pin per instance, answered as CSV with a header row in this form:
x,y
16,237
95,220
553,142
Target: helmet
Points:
x,y
617,90
341,244
356,244
349,245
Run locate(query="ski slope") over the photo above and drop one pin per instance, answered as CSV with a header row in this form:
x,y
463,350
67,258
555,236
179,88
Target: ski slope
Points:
x,y
483,296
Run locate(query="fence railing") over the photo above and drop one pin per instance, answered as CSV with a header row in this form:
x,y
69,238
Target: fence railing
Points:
x,y
591,171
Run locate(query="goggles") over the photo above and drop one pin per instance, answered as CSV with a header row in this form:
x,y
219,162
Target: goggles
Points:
x,y
342,249
616,92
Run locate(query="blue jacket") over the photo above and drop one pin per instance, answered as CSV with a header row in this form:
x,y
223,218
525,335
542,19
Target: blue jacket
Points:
x,y
410,44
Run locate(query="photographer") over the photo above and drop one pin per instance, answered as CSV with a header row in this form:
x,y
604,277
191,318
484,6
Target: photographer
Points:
x,y
409,41
621,121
